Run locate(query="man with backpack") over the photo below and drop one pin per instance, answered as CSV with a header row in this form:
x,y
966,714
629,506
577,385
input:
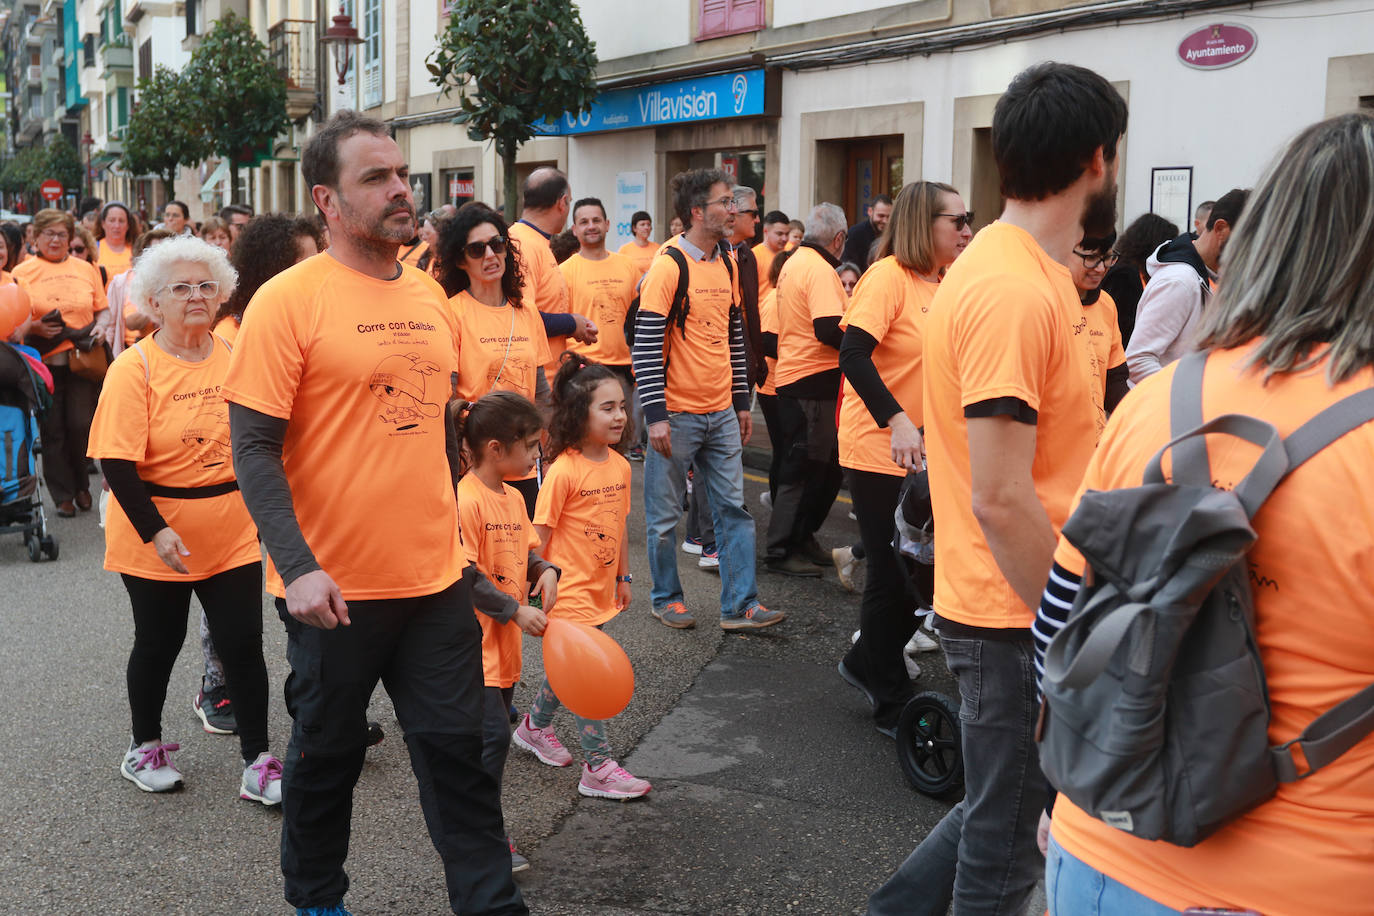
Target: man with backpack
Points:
x,y
689,362
1208,703
1012,415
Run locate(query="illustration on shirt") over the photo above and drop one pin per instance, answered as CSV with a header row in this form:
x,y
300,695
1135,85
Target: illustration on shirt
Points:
x,y
514,373
399,383
601,532
608,310
208,435
706,328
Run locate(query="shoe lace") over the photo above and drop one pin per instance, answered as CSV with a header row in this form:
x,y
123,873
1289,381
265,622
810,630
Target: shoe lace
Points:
x,y
268,769
676,607
755,610
155,757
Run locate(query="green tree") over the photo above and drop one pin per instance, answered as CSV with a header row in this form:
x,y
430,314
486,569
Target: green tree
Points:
x,y
164,130
239,92
63,162
24,172
515,64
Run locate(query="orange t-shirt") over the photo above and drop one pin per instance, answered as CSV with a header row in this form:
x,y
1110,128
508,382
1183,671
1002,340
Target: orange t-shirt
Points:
x,y
891,303
699,376
544,285
14,305
1006,322
808,288
602,290
363,369
228,328
72,286
764,256
768,324
498,537
168,416
1104,335
114,262
412,256
585,503
1309,849
500,349
641,255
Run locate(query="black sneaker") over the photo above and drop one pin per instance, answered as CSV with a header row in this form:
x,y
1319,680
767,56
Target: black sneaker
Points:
x,y
215,711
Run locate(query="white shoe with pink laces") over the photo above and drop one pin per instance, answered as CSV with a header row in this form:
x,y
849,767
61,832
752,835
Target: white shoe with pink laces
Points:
x,y
611,780
542,743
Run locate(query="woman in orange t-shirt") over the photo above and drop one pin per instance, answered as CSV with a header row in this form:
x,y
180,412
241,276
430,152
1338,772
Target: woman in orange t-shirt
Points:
x,y
66,298
581,523
114,232
14,302
640,249
266,246
177,524
1283,345
502,343
880,421
768,388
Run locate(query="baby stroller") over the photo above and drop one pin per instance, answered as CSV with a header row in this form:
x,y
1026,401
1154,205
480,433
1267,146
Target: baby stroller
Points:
x,y
928,741
23,396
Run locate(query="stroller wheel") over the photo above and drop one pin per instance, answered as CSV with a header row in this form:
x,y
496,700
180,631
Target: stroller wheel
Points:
x,y
928,747
49,545
35,547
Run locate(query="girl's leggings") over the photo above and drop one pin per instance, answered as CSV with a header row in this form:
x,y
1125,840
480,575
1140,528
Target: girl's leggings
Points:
x,y
591,732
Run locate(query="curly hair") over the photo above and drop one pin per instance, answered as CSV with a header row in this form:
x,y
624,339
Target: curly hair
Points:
x,y
573,386
1145,233
450,269
266,246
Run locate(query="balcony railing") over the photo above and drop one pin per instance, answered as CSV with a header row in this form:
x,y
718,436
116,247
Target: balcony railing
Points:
x,y
292,46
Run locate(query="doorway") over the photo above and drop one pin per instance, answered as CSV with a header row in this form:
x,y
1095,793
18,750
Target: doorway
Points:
x,y
985,191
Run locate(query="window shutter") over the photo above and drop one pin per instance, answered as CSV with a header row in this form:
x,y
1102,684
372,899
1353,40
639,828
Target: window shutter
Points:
x,y
745,15
372,53
729,17
714,19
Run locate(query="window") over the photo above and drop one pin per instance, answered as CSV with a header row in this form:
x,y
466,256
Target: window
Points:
x,y
372,53
117,110
145,59
192,13
88,50
728,17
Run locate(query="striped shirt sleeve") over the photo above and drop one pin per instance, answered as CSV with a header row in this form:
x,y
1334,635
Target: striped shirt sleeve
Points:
x,y
1055,604
648,364
739,365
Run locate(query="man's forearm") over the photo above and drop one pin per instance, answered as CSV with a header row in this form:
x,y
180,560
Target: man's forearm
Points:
x,y
1021,539
257,445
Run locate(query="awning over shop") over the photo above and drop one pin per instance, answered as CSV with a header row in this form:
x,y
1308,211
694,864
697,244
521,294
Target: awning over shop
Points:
x,y
207,190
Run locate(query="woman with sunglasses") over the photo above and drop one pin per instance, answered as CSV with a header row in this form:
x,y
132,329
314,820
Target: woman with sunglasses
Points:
x,y
503,346
881,419
177,523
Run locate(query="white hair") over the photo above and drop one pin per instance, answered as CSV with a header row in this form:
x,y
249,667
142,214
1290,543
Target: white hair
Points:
x,y
743,194
154,269
825,222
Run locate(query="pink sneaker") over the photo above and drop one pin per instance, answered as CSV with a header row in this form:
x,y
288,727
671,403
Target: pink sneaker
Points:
x,y
611,780
542,743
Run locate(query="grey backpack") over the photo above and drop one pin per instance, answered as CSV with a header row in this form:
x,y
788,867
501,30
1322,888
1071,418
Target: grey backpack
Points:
x,y
1156,710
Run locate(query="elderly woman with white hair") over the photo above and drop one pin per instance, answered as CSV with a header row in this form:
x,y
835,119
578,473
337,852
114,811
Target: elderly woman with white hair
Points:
x,y
177,523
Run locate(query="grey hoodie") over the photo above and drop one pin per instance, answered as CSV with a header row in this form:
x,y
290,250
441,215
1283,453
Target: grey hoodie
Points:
x,y
1167,317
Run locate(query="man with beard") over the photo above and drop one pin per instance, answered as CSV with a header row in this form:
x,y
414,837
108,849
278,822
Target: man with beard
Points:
x,y
1012,412
338,390
859,242
1183,274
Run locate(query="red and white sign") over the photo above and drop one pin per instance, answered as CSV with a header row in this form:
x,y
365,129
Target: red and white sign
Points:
x,y
730,166
1216,46
459,188
51,189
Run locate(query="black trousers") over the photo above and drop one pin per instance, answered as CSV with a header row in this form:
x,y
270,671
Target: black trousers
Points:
x,y
887,613
66,432
808,476
427,652
233,609
768,406
496,729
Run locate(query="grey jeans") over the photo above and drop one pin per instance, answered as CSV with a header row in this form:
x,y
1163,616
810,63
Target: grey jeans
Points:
x,y
982,855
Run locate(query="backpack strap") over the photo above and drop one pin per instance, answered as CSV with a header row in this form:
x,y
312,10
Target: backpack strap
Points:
x,y
1185,415
1190,465
1346,415
1328,736
147,370
677,310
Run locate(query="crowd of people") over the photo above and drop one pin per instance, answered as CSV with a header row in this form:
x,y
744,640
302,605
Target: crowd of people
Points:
x,y
495,384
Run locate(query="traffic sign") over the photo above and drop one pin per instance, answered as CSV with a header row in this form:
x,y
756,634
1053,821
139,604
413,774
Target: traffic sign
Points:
x,y
51,189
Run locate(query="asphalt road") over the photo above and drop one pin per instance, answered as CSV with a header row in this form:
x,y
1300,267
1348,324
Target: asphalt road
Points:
x,y
772,791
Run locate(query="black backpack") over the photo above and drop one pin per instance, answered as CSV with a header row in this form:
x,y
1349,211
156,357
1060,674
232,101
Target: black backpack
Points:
x,y
1156,709
677,312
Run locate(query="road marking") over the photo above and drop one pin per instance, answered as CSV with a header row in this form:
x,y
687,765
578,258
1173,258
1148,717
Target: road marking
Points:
x,y
841,498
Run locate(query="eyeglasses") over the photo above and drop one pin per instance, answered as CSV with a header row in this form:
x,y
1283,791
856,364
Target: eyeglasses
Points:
x,y
53,235
960,219
1092,260
726,202
478,250
207,289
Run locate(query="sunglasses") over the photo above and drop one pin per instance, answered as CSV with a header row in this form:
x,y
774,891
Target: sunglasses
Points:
x,y
960,219
750,212
478,250
78,249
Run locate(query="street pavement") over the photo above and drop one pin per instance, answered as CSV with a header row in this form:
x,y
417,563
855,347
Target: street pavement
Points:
x,y
772,791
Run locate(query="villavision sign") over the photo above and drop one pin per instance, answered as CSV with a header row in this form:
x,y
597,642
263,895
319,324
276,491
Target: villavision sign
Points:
x,y
704,98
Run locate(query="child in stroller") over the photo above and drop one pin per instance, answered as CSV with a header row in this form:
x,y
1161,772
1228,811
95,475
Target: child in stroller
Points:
x,y
23,397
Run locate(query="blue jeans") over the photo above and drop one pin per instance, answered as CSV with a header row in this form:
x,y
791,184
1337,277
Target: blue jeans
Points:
x,y
1075,888
711,443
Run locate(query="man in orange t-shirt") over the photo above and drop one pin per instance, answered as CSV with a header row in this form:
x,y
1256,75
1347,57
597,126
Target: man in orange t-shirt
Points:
x,y
547,198
1012,417
811,302
1093,257
339,393
775,231
693,385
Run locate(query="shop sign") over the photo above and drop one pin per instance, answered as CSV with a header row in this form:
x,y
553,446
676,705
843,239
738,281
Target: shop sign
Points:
x,y
631,195
1216,46
461,187
703,98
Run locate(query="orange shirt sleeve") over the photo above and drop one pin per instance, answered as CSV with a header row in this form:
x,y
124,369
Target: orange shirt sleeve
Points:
x,y
266,367
553,495
988,367
470,519
120,427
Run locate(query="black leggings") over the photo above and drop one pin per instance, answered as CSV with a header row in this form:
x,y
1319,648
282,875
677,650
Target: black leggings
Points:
x,y
887,614
233,608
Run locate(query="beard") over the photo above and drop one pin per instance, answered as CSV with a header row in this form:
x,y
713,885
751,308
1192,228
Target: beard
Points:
x,y
1099,212
379,231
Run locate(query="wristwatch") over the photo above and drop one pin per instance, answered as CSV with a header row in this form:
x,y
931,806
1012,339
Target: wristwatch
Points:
x,y
627,579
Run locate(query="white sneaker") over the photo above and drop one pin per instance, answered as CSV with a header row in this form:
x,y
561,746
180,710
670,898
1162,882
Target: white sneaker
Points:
x,y
767,499
149,766
262,780
920,642
855,638
845,564
913,670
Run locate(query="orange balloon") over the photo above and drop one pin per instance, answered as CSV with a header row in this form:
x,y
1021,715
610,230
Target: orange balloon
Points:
x,y
588,670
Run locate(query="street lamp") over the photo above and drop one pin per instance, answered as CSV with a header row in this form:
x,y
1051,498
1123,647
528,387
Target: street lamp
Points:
x,y
343,37
88,141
